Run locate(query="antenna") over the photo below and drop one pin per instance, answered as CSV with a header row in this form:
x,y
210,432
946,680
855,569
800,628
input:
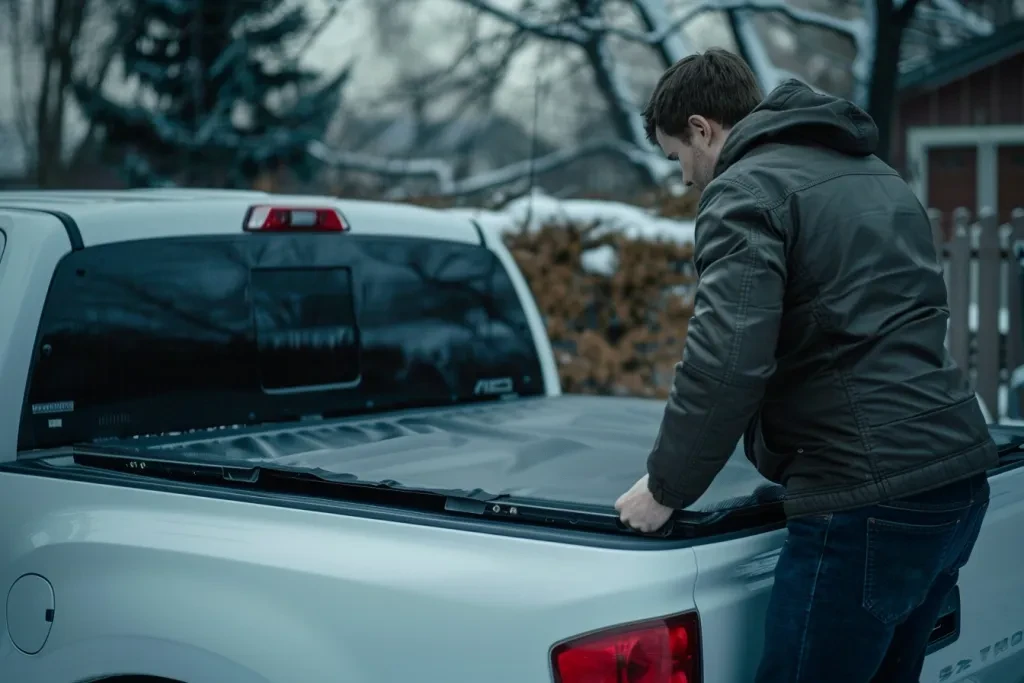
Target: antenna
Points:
x,y
534,134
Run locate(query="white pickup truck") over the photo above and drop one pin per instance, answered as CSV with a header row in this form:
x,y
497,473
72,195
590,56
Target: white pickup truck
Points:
x,y
249,438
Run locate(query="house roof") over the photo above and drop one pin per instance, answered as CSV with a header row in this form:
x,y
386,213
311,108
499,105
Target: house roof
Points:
x,y
947,66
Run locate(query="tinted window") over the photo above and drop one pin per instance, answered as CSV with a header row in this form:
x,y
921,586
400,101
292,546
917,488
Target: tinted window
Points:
x,y
155,336
305,323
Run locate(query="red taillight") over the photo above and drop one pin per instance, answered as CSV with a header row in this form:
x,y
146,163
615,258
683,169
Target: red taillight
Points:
x,y
659,651
294,219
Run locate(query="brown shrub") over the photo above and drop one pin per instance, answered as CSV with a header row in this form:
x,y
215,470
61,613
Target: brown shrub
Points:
x,y
669,205
662,202
620,334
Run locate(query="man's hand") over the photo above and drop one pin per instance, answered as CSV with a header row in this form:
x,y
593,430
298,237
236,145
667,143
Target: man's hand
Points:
x,y
638,509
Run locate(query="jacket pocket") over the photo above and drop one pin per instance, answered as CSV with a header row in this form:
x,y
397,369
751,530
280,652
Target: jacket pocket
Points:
x,y
968,401
930,435
771,464
901,564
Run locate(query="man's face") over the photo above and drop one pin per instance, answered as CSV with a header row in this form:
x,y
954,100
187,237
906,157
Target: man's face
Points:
x,y
696,157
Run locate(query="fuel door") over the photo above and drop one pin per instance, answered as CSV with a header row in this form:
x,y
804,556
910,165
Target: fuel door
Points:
x,y
30,613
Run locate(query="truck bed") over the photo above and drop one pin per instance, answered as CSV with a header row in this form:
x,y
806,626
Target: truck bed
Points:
x,y
583,450
206,588
287,589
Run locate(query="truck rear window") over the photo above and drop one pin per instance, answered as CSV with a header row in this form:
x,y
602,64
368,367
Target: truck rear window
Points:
x,y
305,324
168,335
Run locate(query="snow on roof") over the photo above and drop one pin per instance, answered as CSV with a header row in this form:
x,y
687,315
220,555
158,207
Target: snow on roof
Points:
x,y
540,209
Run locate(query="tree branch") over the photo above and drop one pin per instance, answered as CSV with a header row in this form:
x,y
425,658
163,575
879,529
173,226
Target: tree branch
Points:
x,y
469,72
20,95
438,169
660,167
568,31
441,171
754,50
674,25
658,21
317,31
958,14
124,33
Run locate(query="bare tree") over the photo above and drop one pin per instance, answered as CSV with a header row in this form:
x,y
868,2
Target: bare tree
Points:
x,y
467,84
52,44
590,30
591,35
876,31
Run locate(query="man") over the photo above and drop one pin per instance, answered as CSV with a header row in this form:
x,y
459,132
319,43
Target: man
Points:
x,y
818,336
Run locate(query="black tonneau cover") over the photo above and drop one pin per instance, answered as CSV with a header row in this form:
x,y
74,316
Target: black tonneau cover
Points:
x,y
581,450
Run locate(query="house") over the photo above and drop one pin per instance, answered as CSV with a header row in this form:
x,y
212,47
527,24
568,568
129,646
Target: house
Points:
x,y
958,136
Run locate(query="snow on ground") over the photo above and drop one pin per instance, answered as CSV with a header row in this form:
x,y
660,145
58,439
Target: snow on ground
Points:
x,y
533,211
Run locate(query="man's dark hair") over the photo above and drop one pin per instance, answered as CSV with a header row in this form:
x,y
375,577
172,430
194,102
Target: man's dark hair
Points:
x,y
716,84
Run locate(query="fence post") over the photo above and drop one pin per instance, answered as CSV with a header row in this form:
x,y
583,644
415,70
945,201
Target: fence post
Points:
x,y
990,261
958,288
938,237
1015,312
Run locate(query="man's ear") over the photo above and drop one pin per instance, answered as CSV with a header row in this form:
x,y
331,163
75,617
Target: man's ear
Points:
x,y
701,127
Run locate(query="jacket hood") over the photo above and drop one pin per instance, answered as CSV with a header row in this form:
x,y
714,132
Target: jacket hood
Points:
x,y
794,113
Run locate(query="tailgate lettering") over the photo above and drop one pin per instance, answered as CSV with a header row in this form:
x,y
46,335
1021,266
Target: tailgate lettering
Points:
x,y
997,649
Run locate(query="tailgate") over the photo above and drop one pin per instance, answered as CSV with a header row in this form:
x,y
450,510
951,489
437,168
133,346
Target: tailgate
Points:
x,y
979,639
990,646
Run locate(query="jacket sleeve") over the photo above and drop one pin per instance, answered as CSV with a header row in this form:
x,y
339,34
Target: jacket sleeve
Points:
x,y
729,355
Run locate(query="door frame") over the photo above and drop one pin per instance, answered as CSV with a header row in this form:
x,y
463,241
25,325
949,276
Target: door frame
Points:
x,y
986,139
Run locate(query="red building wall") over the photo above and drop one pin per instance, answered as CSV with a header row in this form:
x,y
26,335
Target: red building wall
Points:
x,y
991,96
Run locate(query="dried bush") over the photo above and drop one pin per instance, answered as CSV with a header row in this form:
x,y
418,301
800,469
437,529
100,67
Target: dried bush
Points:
x,y
661,202
669,205
616,334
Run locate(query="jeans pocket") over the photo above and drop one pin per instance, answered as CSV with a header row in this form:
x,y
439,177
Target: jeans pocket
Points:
x,y
901,564
971,532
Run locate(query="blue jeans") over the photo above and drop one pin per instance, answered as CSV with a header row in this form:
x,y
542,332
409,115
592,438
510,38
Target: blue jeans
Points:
x,y
857,593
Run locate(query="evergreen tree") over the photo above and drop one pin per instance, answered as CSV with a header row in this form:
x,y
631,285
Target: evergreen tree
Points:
x,y
219,97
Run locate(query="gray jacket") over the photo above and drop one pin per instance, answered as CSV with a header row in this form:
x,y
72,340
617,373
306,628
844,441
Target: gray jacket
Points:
x,y
819,323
